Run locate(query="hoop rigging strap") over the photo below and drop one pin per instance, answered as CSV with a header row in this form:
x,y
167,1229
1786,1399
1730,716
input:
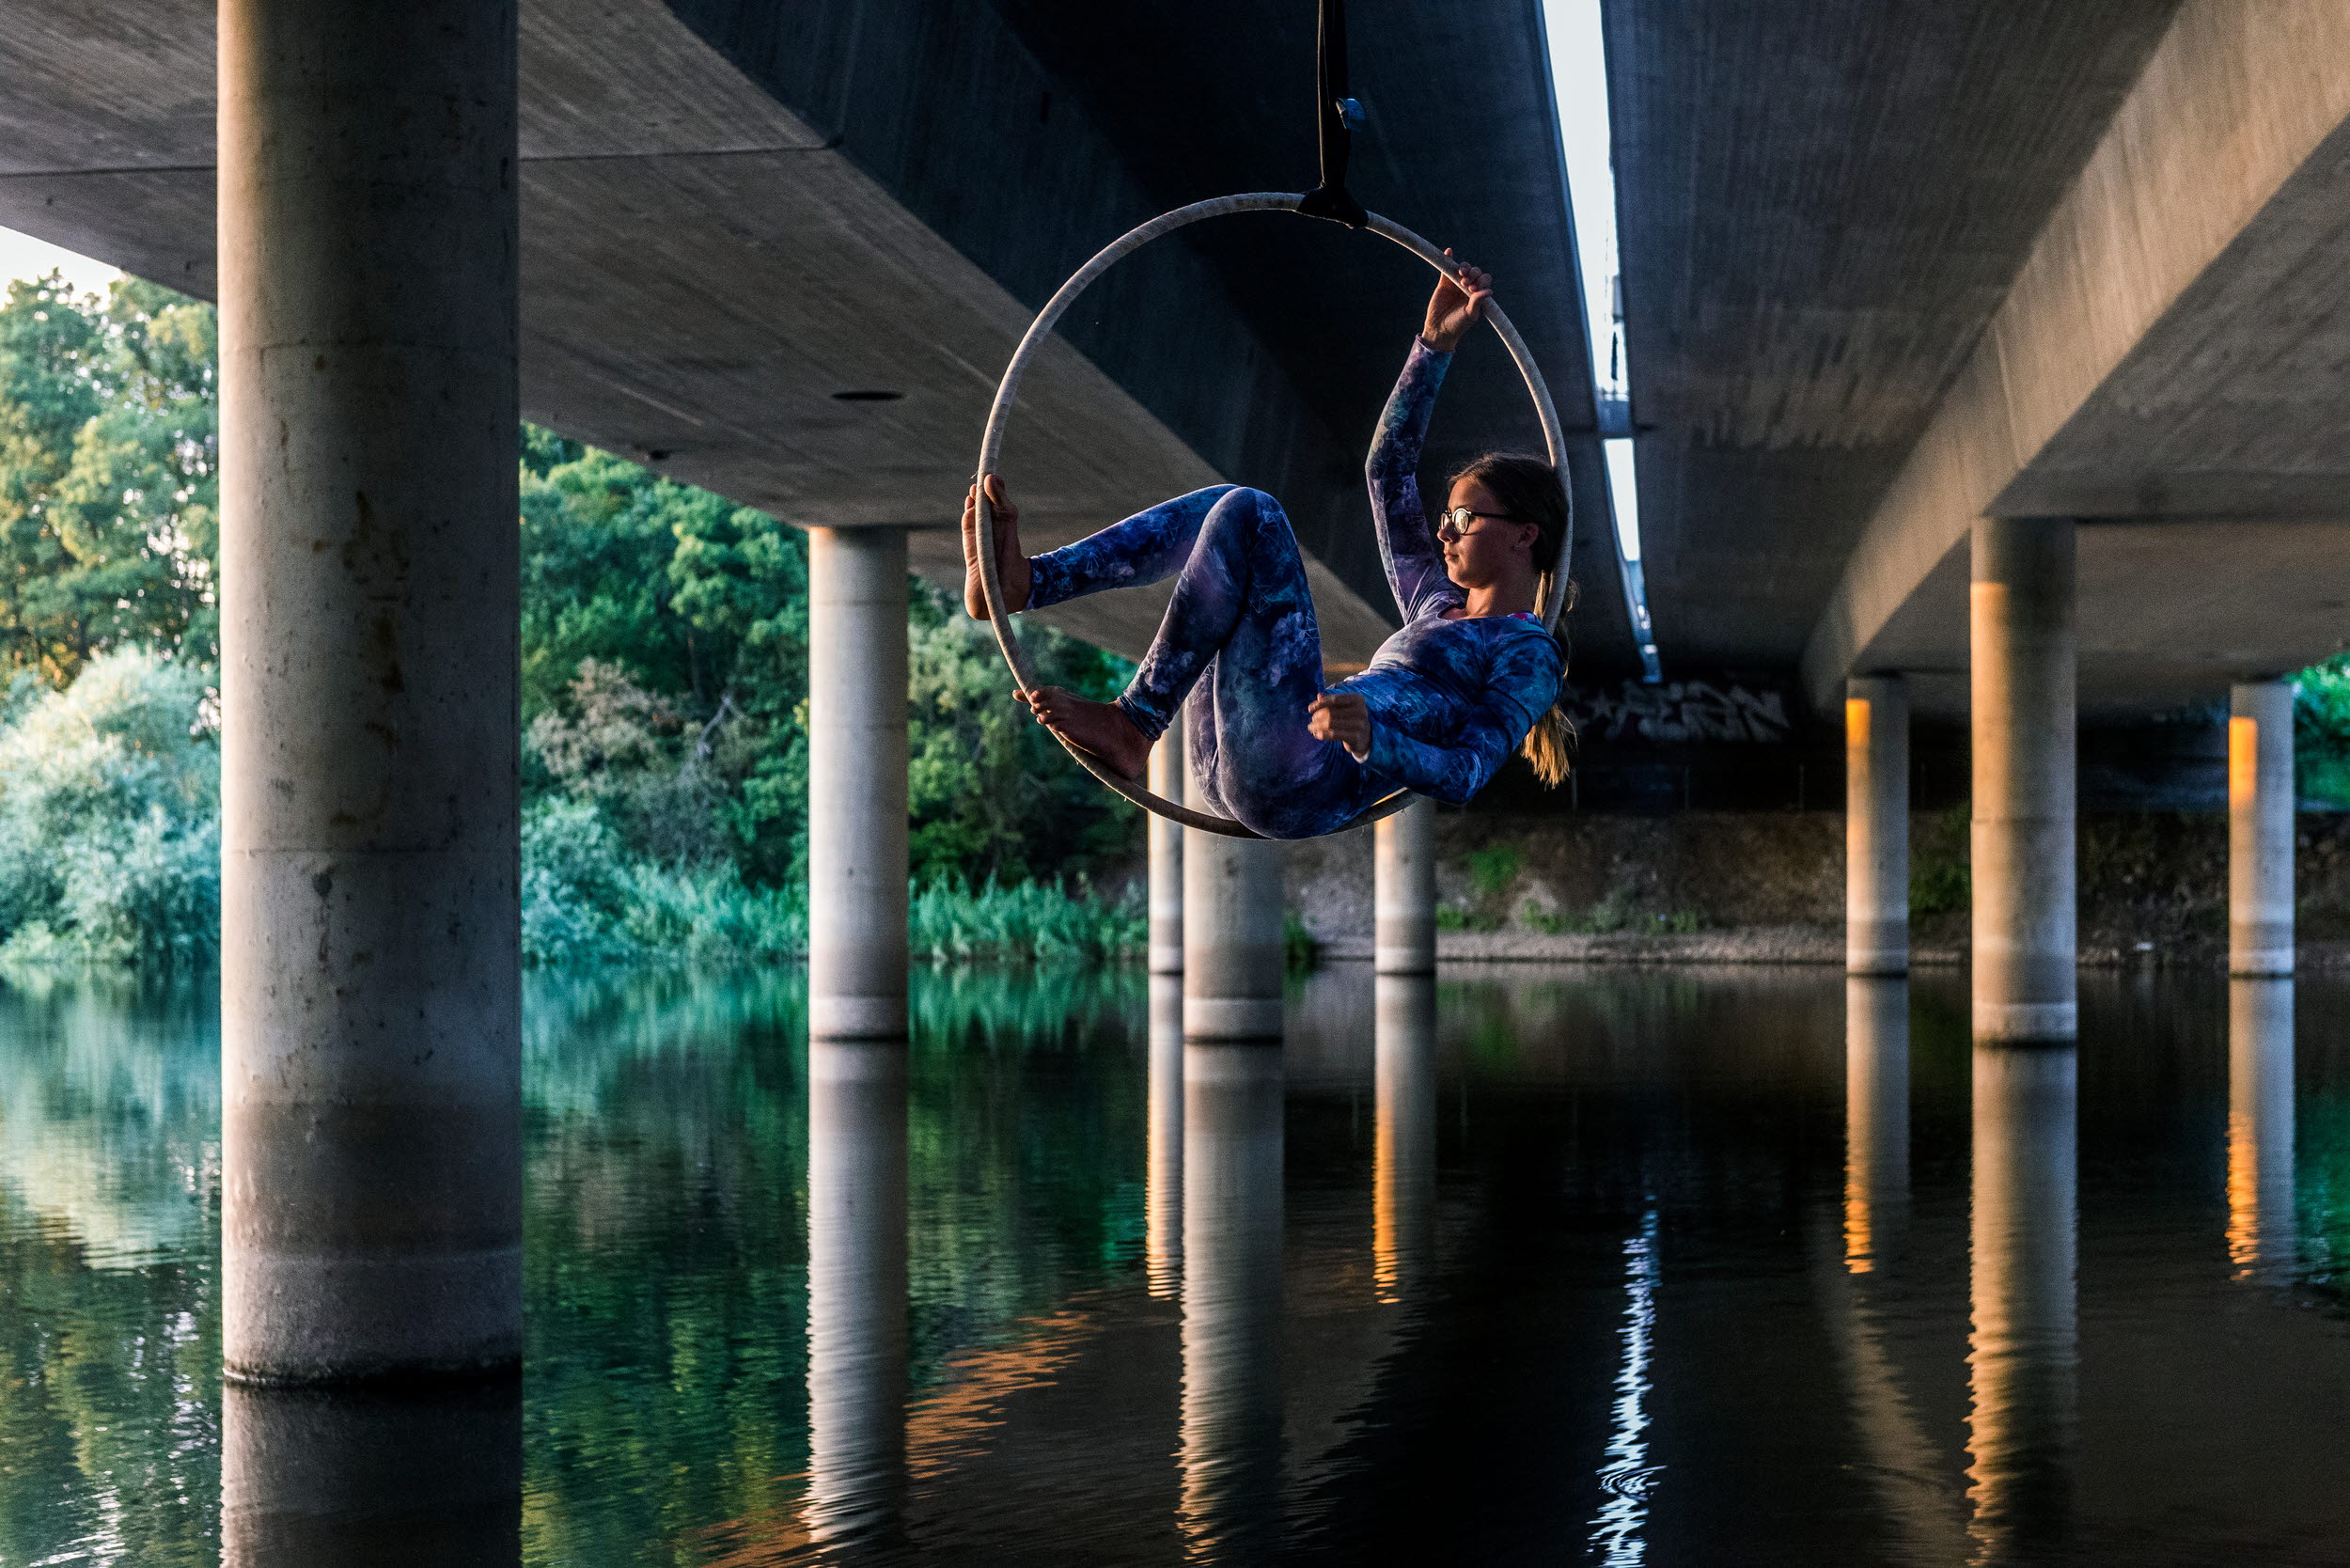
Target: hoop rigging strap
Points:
x,y
1008,392
1334,133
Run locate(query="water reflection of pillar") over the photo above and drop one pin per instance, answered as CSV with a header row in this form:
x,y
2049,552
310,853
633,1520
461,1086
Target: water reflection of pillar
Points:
x,y
857,1287
2022,1355
1403,1151
1232,1416
2261,1233
1163,1181
1876,1120
359,1480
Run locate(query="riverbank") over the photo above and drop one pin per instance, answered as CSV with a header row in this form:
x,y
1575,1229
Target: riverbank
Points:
x,y
1768,887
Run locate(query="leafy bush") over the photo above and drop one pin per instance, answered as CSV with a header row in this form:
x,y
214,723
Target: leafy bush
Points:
x,y
109,816
2321,726
1492,869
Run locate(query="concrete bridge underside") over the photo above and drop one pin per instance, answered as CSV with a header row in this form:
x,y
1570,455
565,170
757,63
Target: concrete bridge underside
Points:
x,y
732,213
1892,269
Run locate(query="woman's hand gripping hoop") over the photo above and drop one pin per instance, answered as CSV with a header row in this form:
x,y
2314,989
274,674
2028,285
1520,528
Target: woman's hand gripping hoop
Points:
x,y
1008,393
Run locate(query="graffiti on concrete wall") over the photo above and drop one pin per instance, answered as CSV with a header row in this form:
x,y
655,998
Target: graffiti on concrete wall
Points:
x,y
1681,711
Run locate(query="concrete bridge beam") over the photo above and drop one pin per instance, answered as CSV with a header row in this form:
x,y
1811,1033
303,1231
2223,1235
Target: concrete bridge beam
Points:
x,y
2025,929
372,1139
1876,826
2260,828
856,784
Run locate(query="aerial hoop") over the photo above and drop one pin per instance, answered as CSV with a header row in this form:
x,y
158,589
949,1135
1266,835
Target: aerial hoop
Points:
x,y
1008,392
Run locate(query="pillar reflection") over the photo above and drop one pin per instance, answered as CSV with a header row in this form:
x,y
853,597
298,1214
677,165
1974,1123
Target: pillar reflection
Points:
x,y
2023,1356
1403,1152
358,1480
1876,1120
1231,1509
856,1288
2260,1232
1163,1179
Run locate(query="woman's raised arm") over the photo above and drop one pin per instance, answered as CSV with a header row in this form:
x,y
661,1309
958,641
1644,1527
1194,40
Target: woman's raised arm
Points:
x,y
1407,548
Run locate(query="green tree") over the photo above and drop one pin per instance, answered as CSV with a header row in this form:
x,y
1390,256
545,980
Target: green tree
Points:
x,y
109,476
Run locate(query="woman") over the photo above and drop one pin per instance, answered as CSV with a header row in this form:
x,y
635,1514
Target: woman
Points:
x,y
1471,674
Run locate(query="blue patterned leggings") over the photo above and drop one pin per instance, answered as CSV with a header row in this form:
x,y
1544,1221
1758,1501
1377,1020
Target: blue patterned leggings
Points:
x,y
1241,627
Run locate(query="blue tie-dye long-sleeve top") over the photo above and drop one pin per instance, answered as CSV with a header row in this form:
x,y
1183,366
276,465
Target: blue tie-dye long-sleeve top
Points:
x,y
1449,697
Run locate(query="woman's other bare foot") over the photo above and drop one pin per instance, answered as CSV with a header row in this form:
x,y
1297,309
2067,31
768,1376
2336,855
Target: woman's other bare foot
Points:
x,y
1012,563
1101,727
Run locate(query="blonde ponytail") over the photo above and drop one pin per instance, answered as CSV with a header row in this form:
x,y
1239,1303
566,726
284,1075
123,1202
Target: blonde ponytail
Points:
x,y
1550,744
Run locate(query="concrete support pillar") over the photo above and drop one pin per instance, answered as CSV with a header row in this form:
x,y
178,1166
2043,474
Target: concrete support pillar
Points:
x,y
1403,1145
1233,890
374,1479
1876,1120
371,1137
2021,608
1876,826
856,784
2260,828
1231,1446
856,1289
2023,1349
1404,900
1167,781
2262,1232
1163,1179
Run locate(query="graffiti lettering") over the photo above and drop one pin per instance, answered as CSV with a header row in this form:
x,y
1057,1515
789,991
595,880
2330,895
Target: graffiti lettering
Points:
x,y
1680,711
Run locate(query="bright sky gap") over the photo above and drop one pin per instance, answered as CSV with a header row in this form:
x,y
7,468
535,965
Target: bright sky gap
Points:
x,y
24,257
1578,71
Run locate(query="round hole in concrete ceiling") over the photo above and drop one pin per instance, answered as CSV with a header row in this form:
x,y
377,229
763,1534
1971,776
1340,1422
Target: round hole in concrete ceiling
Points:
x,y
867,397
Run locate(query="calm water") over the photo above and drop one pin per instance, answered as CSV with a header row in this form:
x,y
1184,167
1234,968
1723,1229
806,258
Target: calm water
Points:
x,y
1539,1266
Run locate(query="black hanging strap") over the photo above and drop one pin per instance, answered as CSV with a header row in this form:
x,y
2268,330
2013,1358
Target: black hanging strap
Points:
x,y
1333,123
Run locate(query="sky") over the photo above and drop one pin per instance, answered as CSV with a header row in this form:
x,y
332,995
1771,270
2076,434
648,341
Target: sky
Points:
x,y
22,256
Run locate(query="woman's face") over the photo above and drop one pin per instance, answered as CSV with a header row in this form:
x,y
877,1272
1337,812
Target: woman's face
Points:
x,y
1492,547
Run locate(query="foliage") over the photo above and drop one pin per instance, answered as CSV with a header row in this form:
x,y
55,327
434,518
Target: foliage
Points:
x,y
109,816
586,901
109,483
1300,953
664,659
664,687
1492,869
1940,878
2321,724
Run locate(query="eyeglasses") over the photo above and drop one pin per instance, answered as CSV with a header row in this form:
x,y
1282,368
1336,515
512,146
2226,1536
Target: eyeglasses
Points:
x,y
1459,519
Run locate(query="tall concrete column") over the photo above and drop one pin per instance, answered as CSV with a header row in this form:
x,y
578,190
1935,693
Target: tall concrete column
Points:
x,y
1167,781
2262,1236
1403,1144
856,784
856,1288
2023,1348
371,1137
1163,1178
2020,607
1876,826
1233,890
1404,898
371,1479
1876,1120
2260,828
1231,1447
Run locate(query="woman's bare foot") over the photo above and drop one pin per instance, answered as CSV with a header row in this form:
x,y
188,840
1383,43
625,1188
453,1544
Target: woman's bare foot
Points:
x,y
1101,727
1012,563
